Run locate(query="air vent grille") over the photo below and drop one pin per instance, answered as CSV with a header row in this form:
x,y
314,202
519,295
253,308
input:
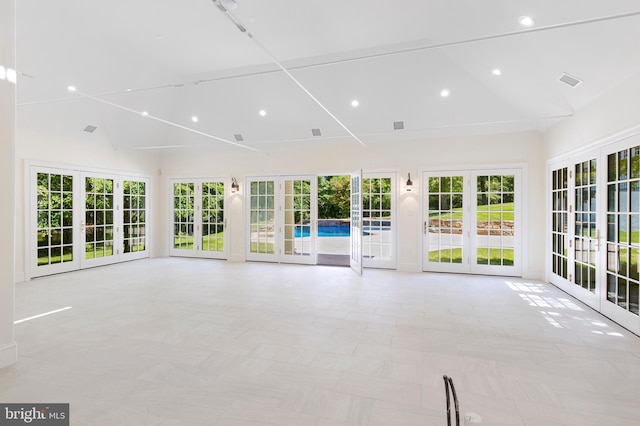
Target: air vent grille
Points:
x,y
238,137
316,132
398,125
90,129
570,80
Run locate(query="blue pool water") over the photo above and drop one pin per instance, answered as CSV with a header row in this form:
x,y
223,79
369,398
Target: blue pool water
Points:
x,y
324,231
334,230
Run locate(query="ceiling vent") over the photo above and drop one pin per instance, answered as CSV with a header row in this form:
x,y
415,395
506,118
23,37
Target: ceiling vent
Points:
x,y
238,137
316,132
570,80
90,129
398,125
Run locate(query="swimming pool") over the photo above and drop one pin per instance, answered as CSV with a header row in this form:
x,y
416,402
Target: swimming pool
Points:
x,y
324,231
335,230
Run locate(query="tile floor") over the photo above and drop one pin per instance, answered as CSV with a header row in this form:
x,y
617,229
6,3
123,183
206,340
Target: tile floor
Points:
x,y
201,342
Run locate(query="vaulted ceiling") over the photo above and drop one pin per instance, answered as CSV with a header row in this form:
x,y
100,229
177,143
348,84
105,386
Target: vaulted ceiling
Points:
x,y
143,69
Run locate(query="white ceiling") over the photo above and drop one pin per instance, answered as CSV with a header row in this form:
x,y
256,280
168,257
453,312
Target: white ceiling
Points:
x,y
176,59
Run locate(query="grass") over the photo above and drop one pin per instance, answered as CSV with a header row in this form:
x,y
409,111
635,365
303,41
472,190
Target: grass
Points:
x,y
493,212
99,251
262,247
46,260
485,256
211,242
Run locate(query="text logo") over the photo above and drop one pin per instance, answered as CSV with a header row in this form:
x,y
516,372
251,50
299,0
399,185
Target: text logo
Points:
x,y
34,414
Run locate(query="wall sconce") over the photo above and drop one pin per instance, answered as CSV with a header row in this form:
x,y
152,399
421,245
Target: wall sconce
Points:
x,y
409,183
235,187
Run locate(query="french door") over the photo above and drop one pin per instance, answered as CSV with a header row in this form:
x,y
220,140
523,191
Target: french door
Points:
x,y
198,220
575,227
99,219
472,222
355,260
282,218
595,228
378,220
55,211
80,219
621,294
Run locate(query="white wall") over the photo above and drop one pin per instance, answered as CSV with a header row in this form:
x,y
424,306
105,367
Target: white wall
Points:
x,y
80,152
611,113
404,157
8,348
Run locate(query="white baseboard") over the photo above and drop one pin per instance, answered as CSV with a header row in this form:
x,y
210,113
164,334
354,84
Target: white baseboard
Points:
x,y
409,267
236,258
8,355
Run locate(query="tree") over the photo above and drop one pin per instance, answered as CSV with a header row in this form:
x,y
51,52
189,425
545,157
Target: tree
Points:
x,y
334,197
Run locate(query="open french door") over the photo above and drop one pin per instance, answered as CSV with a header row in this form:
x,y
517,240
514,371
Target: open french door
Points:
x,y
356,222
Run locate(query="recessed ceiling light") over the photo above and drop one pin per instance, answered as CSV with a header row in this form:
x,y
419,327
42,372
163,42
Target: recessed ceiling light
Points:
x,y
262,113
71,88
128,90
145,113
194,119
496,71
526,21
444,93
355,103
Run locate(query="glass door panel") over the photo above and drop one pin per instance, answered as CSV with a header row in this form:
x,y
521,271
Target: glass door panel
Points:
x,y
262,220
378,213
134,218
298,242
212,240
559,220
53,214
444,228
356,222
183,225
496,224
623,229
99,223
586,232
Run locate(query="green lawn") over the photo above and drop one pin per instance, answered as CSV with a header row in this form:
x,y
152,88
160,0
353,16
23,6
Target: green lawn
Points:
x,y
46,260
211,242
496,257
262,247
484,213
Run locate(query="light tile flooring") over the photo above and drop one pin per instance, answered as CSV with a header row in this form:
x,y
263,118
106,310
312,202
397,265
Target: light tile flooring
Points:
x,y
201,342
